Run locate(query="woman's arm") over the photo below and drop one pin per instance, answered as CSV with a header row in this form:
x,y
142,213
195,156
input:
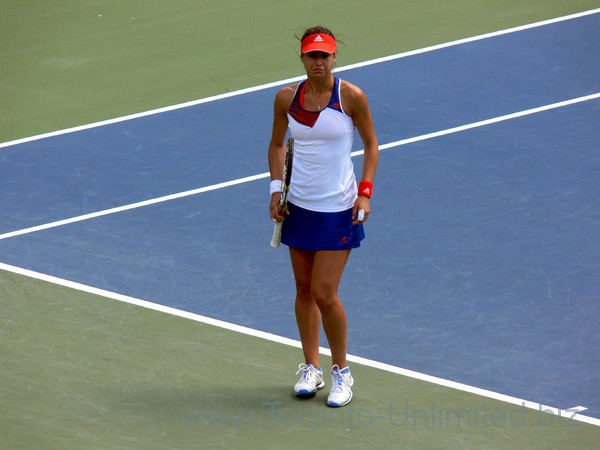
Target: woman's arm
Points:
x,y
357,106
276,155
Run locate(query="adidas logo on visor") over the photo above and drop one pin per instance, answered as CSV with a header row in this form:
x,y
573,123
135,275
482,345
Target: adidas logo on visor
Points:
x,y
318,42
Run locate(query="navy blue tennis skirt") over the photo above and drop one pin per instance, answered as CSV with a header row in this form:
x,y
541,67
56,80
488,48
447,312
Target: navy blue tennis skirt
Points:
x,y
311,230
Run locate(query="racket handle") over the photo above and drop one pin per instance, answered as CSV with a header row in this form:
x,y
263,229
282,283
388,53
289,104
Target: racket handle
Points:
x,y
276,239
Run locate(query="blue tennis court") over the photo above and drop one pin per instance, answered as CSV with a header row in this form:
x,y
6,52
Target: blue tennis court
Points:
x,y
481,264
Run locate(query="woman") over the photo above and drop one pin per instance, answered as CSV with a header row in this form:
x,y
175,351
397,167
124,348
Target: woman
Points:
x,y
326,210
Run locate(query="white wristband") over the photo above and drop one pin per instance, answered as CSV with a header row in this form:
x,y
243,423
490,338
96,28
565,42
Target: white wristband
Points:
x,y
275,186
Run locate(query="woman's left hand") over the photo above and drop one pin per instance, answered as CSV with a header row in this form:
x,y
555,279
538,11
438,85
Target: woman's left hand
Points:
x,y
361,210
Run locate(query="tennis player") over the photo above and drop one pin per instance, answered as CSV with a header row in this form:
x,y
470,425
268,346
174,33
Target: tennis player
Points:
x,y
324,217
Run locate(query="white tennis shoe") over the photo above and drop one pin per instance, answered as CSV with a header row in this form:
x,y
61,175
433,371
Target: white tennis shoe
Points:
x,y
310,382
341,387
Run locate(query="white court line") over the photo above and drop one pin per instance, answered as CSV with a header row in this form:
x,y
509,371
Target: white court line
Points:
x,y
263,175
482,123
569,413
141,204
298,78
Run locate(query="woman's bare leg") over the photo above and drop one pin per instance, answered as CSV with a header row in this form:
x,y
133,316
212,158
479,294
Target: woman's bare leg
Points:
x,y
318,275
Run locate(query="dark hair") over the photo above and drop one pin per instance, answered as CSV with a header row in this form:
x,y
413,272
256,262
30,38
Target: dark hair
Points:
x,y
316,30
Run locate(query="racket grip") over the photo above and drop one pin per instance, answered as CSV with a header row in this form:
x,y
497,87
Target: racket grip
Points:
x,y
276,239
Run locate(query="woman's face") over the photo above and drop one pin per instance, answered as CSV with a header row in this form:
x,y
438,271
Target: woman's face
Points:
x,y
318,64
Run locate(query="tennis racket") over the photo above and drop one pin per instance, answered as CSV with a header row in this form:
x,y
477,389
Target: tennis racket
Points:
x,y
285,188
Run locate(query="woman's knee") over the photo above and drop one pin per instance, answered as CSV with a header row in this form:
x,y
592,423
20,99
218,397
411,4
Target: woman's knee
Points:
x,y
303,292
325,299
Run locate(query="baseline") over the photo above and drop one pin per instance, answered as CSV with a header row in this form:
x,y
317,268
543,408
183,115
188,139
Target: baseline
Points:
x,y
570,413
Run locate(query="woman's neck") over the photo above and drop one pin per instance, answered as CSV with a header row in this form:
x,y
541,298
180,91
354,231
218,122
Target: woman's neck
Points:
x,y
319,91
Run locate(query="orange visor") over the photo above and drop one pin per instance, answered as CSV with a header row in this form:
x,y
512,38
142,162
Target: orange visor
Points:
x,y
319,42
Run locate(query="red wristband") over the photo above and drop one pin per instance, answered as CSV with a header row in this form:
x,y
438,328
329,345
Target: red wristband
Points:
x,y
365,188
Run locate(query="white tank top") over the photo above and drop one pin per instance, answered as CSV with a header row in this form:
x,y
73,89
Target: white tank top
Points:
x,y
323,174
